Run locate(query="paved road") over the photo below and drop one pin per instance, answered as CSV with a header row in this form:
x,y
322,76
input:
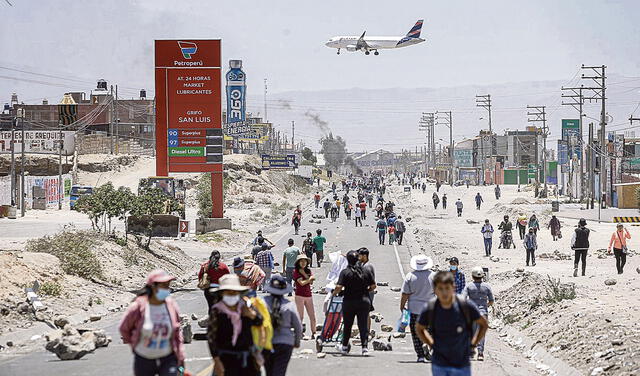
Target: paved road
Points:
x,y
342,236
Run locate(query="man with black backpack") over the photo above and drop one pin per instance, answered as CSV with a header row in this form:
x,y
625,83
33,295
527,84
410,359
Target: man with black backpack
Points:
x,y
449,318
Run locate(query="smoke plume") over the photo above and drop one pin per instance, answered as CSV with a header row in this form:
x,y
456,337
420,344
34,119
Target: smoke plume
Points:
x,y
315,120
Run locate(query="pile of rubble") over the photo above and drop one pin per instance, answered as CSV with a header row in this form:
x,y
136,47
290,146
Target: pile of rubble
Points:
x,y
70,343
555,255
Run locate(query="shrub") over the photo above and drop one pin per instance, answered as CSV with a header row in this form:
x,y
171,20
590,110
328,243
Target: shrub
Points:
x,y
73,248
51,288
248,200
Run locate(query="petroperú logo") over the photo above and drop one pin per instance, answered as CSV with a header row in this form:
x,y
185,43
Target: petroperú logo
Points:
x,y
188,49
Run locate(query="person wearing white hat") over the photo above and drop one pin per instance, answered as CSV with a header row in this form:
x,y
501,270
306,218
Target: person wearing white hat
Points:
x,y
481,294
229,331
417,290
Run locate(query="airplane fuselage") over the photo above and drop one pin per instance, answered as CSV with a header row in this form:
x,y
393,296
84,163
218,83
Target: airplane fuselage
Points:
x,y
374,43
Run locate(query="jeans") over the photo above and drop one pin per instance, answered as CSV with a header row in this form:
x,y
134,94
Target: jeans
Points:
x,y
392,238
621,259
319,256
381,235
267,276
480,346
288,274
580,255
531,252
167,366
317,202
437,370
351,309
358,220
459,212
522,230
399,236
277,361
487,246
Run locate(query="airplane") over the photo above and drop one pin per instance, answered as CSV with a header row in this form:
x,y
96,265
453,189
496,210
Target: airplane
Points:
x,y
368,44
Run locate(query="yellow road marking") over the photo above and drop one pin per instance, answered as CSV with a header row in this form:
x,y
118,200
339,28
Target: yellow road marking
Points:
x,y
206,371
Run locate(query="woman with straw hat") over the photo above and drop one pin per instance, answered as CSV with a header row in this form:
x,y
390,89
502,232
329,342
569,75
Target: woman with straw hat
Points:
x,y
303,279
229,331
286,325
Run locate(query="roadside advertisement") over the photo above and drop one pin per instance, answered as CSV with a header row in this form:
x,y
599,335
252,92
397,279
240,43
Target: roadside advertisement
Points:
x,y
248,132
189,111
279,162
563,152
463,157
571,134
38,142
236,100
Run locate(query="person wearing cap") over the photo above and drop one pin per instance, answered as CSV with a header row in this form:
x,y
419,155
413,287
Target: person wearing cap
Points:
x,y
580,246
487,235
354,284
229,330
287,328
480,293
303,279
619,243
417,290
214,269
458,276
249,274
151,326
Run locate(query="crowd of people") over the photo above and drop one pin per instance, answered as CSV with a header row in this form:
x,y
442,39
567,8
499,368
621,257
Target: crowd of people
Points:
x,y
257,308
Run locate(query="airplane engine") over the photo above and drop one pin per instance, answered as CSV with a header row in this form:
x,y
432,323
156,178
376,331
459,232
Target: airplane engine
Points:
x,y
351,48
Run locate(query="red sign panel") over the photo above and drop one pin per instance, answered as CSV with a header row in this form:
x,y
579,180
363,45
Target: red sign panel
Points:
x,y
188,110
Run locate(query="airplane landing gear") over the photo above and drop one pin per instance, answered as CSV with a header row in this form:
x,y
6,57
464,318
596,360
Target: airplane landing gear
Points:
x,y
338,51
366,52
376,53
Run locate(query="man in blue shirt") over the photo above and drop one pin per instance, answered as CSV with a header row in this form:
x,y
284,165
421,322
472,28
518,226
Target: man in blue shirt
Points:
x,y
450,319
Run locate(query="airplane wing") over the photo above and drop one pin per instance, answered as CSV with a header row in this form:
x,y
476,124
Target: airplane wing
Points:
x,y
362,44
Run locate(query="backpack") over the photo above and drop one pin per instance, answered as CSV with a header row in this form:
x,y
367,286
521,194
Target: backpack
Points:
x,y
464,307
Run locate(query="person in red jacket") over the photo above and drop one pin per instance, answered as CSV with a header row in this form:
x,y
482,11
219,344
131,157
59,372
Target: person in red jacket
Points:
x,y
215,269
151,326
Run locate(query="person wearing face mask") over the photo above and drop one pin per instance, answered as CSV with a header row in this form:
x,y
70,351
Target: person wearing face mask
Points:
x,y
458,276
229,330
151,326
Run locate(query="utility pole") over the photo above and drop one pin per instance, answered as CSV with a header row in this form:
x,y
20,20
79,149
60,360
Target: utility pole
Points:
x,y
598,94
293,134
446,120
117,121
484,101
24,144
426,124
576,100
265,100
517,147
111,112
538,114
591,158
13,161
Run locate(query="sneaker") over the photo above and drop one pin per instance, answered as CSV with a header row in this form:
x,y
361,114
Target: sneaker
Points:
x,y
342,349
480,357
365,351
421,360
575,272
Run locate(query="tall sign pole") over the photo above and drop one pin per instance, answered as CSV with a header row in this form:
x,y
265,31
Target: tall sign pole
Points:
x,y
189,111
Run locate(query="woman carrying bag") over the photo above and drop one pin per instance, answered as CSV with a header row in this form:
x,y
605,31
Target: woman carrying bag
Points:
x,y
229,331
286,325
619,243
302,280
151,326
210,273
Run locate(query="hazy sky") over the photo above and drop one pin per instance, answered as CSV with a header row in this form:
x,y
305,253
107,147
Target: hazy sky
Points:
x,y
468,42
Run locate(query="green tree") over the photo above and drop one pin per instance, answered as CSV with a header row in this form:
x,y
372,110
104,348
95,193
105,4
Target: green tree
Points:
x,y
148,204
334,150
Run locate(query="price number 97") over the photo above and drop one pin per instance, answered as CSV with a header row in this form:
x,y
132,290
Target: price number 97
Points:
x,y
173,142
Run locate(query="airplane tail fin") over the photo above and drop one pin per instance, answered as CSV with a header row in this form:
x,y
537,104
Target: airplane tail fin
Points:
x,y
415,30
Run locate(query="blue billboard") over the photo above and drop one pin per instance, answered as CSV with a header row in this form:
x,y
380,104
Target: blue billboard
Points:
x,y
236,97
279,162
